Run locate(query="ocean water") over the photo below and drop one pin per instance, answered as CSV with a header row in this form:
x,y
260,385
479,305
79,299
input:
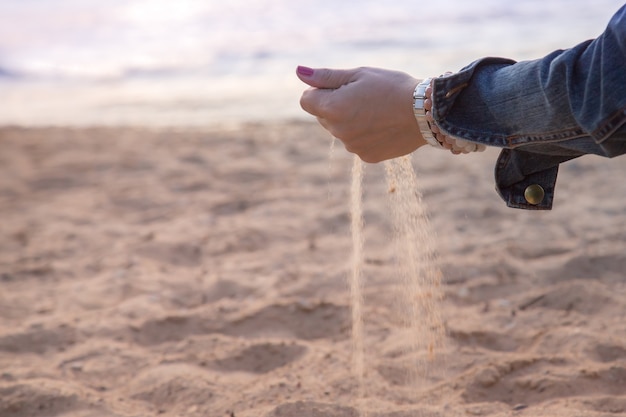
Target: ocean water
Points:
x,y
208,62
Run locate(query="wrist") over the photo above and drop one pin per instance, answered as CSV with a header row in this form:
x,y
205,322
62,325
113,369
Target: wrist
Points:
x,y
422,107
419,111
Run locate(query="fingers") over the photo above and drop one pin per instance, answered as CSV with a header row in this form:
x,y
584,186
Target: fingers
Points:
x,y
314,101
325,78
320,100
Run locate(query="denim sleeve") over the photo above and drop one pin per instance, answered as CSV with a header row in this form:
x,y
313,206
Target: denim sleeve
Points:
x,y
542,112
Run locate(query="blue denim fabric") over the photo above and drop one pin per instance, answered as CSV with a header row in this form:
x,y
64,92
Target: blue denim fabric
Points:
x,y
542,112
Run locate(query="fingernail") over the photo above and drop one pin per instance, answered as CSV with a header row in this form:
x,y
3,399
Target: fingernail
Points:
x,y
306,71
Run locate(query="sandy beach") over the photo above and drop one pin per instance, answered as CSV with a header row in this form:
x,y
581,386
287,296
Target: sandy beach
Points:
x,y
202,272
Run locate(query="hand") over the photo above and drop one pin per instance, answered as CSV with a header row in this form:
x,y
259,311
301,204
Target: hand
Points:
x,y
368,109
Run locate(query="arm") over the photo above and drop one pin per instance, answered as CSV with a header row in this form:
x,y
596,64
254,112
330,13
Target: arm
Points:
x,y
543,112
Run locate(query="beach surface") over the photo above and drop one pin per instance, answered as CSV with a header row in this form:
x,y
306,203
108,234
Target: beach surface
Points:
x,y
202,272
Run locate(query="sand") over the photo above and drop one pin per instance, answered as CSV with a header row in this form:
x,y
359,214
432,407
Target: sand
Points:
x,y
203,273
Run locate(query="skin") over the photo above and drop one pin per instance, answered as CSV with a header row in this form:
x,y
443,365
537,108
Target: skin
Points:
x,y
369,109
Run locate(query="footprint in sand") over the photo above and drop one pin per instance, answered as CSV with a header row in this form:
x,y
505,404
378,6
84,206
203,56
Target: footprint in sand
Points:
x,y
39,339
308,322
292,321
605,268
533,380
317,409
38,399
312,409
609,352
175,388
261,358
175,254
582,297
500,342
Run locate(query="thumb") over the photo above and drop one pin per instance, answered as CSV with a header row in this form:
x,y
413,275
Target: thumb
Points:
x,y
325,78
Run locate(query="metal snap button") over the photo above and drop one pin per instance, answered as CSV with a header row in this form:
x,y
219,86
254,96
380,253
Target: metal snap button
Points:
x,y
534,194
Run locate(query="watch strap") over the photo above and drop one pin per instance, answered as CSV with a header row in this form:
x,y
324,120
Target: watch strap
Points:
x,y
419,96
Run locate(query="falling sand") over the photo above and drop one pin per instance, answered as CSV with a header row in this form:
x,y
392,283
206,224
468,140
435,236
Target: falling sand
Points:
x,y
356,281
419,293
416,257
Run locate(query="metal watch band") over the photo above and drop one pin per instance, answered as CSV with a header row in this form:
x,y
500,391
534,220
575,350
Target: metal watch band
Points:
x,y
419,95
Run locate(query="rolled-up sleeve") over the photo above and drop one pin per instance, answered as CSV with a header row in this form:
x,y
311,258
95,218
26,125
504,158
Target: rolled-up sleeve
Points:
x,y
542,112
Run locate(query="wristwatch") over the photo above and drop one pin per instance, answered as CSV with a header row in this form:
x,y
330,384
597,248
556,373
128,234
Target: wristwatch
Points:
x,y
419,95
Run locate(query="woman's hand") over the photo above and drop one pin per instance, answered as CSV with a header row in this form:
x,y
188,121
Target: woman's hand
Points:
x,y
368,109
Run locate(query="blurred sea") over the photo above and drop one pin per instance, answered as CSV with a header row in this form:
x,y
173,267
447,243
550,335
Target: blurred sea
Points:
x,y
207,62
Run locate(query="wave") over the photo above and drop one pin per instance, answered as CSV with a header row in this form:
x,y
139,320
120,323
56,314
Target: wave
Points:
x,y
8,73
61,75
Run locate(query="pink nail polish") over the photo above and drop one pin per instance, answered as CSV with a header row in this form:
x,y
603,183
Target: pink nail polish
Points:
x,y
306,71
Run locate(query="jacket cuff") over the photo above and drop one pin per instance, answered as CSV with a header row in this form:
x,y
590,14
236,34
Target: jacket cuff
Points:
x,y
530,191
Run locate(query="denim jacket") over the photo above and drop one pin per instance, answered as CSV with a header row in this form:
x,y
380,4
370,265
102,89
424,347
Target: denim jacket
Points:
x,y
542,112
